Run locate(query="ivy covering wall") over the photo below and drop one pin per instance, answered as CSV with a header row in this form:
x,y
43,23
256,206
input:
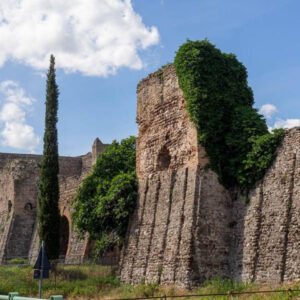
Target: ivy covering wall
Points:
x,y
220,103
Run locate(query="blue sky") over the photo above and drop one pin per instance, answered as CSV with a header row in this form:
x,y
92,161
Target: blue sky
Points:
x,y
97,78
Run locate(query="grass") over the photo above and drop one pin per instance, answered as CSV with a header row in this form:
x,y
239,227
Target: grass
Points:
x,y
69,281
99,282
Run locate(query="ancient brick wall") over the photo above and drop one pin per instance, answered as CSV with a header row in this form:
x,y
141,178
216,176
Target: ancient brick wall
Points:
x,y
187,228
19,175
6,211
182,209
18,204
267,234
25,177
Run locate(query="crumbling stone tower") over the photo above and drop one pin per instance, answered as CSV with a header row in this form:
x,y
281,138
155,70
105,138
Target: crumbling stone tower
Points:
x,y
187,227
178,232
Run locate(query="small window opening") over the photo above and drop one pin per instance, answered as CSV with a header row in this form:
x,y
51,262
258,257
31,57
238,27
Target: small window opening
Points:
x,y
28,207
164,159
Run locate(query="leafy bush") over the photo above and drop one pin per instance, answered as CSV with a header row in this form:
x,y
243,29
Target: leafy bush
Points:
x,y
18,261
219,102
260,157
107,197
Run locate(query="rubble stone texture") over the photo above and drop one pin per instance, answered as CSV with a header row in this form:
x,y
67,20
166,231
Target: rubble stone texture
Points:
x,y
188,228
19,174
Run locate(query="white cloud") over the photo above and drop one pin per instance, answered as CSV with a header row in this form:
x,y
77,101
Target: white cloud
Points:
x,y
13,93
94,37
12,112
15,132
268,110
288,123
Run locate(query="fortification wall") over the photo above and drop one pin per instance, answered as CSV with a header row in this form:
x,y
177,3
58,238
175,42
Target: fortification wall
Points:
x,y
187,228
6,212
267,233
19,174
181,206
18,205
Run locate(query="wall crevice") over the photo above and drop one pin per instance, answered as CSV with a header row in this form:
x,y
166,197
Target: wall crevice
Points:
x,y
181,224
258,231
139,228
196,213
172,183
288,219
152,226
197,224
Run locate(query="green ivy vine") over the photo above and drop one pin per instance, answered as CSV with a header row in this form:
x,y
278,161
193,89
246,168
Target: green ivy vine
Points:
x,y
220,103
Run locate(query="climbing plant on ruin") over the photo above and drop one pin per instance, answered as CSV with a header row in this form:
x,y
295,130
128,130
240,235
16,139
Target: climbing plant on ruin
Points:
x,y
107,197
48,214
220,103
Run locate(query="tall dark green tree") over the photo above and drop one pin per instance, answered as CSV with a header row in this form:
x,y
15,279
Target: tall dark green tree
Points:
x,y
48,216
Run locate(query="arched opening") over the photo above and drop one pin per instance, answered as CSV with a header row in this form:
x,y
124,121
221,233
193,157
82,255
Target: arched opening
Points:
x,y
28,207
163,159
64,236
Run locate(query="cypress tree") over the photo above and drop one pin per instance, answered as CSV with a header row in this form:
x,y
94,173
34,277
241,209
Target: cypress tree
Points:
x,y
48,216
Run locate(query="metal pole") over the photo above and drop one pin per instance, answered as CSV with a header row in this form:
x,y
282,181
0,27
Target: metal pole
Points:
x,y
41,271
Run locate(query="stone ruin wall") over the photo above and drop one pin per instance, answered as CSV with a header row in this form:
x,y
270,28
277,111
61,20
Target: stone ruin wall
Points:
x,y
187,228
178,233
18,205
267,232
19,174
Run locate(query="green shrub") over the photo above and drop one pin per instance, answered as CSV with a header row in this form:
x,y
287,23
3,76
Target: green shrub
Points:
x,y
18,261
146,290
107,197
260,157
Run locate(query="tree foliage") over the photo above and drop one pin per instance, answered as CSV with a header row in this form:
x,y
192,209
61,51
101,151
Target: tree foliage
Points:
x,y
220,103
48,215
107,197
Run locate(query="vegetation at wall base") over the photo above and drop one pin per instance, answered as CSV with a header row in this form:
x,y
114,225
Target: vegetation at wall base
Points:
x,y
220,103
107,197
48,212
100,282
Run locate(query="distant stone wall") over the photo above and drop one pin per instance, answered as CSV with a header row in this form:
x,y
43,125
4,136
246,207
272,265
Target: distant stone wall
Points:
x,y
188,228
6,210
19,174
19,202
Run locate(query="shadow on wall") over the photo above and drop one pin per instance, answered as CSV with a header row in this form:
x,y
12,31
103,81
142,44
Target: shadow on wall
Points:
x,y
163,159
64,236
